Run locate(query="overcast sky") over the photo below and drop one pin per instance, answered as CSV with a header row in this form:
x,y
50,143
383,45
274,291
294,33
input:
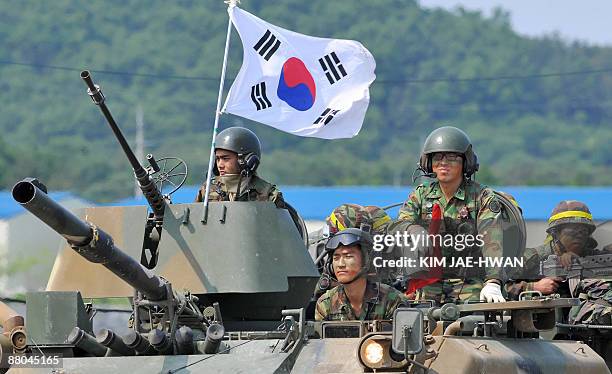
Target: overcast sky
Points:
x,y
586,20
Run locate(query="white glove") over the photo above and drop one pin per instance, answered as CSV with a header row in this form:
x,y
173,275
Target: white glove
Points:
x,y
491,293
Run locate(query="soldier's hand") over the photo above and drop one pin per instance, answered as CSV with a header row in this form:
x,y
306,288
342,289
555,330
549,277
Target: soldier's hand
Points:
x,y
547,285
491,293
567,258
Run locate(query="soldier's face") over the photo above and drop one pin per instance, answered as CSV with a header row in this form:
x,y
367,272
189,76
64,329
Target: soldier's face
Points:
x,y
227,162
574,237
347,262
447,166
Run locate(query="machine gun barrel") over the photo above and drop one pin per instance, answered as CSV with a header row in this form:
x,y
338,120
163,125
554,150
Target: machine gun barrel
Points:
x,y
89,241
149,189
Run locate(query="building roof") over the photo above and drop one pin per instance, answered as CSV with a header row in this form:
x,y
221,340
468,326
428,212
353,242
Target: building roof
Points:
x,y
315,203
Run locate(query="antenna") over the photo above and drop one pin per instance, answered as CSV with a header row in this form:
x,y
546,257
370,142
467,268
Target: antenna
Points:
x,y
139,143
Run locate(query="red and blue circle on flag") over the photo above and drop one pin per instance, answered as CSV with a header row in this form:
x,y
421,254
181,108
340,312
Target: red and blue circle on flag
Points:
x,y
296,86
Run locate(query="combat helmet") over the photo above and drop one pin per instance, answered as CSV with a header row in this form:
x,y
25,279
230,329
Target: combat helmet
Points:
x,y
347,237
243,142
570,211
370,218
449,139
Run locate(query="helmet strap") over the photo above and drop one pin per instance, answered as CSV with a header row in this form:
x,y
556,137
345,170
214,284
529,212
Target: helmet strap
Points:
x,y
556,242
238,187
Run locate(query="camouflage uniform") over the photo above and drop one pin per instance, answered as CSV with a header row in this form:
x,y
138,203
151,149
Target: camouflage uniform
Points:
x,y
595,303
470,207
257,189
353,216
531,269
379,302
595,294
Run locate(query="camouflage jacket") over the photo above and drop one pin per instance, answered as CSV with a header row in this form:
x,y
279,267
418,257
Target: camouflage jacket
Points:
x,y
595,303
530,273
257,190
379,302
470,208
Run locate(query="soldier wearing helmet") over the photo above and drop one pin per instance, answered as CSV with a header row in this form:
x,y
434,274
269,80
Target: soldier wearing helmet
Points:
x,y
465,207
237,156
356,297
570,227
370,219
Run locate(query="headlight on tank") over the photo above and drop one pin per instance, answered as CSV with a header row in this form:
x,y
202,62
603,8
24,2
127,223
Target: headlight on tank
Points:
x,y
372,352
375,352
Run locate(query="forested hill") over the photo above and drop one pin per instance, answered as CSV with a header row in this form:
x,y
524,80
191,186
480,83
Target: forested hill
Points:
x,y
538,110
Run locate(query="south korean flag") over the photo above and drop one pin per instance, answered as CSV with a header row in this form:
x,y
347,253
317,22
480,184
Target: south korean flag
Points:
x,y
300,84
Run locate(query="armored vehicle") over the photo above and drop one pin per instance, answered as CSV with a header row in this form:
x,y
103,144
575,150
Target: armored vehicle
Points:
x,y
226,280
222,288
241,319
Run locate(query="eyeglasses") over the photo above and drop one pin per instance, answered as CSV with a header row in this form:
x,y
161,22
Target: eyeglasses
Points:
x,y
450,157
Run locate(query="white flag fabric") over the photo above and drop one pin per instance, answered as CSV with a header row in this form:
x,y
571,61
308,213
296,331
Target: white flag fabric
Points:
x,y
300,84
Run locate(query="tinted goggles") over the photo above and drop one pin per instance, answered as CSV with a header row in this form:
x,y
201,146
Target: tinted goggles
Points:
x,y
341,238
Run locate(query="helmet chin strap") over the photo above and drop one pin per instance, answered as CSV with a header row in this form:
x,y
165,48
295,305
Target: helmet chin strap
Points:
x,y
558,243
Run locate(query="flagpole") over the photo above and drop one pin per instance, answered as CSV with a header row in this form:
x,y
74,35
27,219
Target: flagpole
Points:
x,y
211,161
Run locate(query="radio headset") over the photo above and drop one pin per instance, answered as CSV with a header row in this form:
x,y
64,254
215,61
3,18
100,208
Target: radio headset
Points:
x,y
248,163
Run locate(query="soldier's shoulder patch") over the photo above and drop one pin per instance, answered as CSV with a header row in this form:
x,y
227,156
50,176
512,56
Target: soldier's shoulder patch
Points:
x,y
495,205
421,187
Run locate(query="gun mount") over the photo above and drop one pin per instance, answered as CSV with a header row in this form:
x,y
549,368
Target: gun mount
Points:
x,y
151,180
148,187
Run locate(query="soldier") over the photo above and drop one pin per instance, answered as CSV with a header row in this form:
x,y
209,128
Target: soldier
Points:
x,y
237,156
570,227
466,207
371,219
356,297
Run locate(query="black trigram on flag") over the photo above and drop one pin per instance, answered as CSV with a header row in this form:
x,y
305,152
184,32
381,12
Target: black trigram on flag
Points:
x,y
326,116
267,45
334,71
258,95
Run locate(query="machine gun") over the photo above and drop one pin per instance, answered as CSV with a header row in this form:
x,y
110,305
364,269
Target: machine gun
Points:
x,y
151,180
595,266
596,335
158,310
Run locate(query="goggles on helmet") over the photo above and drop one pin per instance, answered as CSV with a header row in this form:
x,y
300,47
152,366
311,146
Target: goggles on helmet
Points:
x,y
342,238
